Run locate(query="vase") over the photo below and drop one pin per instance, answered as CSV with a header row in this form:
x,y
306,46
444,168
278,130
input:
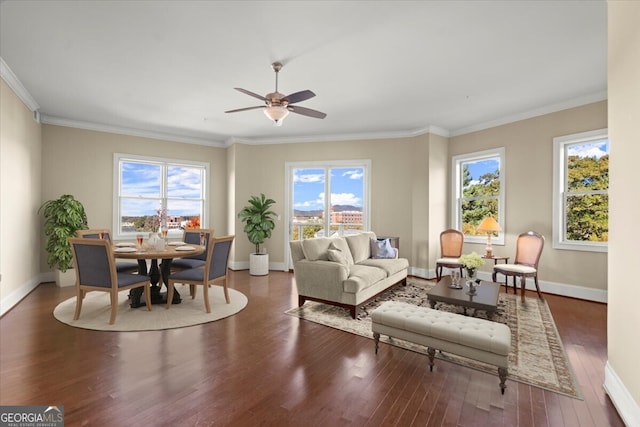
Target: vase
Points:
x,y
472,274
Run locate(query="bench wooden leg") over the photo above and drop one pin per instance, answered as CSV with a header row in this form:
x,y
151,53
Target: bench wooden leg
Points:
x,y
502,373
432,353
376,339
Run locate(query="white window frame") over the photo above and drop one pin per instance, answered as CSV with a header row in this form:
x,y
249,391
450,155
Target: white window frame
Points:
x,y
325,164
559,185
456,197
164,162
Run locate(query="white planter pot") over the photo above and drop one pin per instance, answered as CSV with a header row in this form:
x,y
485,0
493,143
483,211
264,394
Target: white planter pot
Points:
x,y
68,278
258,264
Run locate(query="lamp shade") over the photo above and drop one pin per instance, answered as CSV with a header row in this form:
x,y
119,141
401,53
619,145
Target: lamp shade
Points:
x,y
277,114
489,224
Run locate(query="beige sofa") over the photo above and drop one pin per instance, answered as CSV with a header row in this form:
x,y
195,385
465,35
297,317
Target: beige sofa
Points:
x,y
341,270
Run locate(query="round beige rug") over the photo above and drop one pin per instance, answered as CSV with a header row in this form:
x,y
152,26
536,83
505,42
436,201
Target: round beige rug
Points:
x,y
96,311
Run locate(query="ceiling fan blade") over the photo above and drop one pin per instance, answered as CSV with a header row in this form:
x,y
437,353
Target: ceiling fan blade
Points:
x,y
244,109
306,112
303,95
248,92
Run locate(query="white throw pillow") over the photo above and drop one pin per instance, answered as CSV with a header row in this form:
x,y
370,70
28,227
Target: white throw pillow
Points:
x,y
382,249
335,254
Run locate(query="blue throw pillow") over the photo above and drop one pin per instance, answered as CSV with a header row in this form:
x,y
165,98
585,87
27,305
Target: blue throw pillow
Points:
x,y
382,249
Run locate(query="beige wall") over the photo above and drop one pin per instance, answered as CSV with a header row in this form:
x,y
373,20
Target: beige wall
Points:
x,y
623,376
529,175
80,162
261,168
20,159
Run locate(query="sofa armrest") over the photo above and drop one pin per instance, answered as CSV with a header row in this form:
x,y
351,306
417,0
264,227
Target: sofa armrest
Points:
x,y
320,278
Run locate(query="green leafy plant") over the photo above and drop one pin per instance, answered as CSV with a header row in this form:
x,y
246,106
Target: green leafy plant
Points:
x,y
258,219
63,217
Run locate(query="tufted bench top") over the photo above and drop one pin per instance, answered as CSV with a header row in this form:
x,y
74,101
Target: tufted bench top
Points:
x,y
471,332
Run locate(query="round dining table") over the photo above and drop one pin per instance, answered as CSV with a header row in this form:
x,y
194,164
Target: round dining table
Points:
x,y
158,273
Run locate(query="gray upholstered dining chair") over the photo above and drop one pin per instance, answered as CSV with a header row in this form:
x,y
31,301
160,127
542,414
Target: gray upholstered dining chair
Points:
x,y
96,271
528,250
192,236
451,242
94,233
215,271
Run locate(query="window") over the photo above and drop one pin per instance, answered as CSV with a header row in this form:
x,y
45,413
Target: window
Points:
x,y
153,192
580,191
345,211
478,192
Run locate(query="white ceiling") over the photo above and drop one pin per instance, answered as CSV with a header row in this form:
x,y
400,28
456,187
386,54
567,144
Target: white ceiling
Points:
x,y
378,68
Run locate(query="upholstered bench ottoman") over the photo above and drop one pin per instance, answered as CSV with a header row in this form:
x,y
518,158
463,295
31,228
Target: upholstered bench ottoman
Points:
x,y
470,337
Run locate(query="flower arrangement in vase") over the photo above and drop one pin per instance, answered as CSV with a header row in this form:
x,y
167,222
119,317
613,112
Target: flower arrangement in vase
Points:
x,y
471,262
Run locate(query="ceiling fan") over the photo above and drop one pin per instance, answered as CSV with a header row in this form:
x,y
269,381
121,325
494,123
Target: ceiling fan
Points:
x,y
277,105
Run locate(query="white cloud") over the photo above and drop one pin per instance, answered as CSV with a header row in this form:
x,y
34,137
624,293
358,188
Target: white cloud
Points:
x,y
308,178
596,150
345,199
354,174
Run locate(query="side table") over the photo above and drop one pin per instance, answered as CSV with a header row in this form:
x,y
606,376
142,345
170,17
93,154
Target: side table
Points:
x,y
497,258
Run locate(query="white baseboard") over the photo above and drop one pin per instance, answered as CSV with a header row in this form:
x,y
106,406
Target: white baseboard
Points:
x,y
9,301
621,398
563,289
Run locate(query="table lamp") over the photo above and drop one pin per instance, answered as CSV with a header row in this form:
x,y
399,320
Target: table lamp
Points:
x,y
489,225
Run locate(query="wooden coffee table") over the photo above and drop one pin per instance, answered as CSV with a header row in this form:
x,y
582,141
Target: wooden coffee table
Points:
x,y
485,299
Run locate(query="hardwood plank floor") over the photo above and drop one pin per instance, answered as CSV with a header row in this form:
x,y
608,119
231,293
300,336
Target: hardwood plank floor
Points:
x,y
262,367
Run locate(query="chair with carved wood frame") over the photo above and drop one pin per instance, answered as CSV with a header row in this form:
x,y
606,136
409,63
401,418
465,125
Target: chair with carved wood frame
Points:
x,y
528,250
451,242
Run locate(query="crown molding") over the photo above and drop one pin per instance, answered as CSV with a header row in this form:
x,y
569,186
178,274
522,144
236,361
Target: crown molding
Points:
x,y
565,105
14,83
50,120
340,137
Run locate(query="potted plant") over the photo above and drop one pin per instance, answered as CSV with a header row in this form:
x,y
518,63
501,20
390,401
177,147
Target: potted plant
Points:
x,y
258,222
62,218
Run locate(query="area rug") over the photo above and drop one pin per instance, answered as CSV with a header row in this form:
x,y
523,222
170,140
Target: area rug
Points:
x,y
96,311
537,355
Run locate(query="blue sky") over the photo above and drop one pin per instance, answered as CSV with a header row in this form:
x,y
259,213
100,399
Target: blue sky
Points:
x,y
595,149
141,181
309,191
481,167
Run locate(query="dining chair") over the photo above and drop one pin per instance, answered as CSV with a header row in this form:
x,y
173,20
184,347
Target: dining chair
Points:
x,y
214,272
192,236
96,271
528,250
451,242
121,266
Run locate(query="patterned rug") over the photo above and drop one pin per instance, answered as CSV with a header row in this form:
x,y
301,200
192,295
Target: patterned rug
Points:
x,y
537,355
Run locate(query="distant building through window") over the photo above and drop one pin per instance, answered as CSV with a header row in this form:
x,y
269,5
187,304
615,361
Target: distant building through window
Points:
x,y
312,213
154,193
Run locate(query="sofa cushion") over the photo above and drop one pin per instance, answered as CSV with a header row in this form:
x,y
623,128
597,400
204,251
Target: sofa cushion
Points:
x,y
336,255
316,249
390,266
361,277
381,248
360,246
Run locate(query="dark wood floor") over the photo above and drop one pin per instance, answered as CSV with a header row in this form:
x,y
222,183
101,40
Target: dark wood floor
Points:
x,y
262,367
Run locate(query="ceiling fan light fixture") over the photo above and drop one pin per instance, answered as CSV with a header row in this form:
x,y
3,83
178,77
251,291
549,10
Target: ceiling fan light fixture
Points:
x,y
276,114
